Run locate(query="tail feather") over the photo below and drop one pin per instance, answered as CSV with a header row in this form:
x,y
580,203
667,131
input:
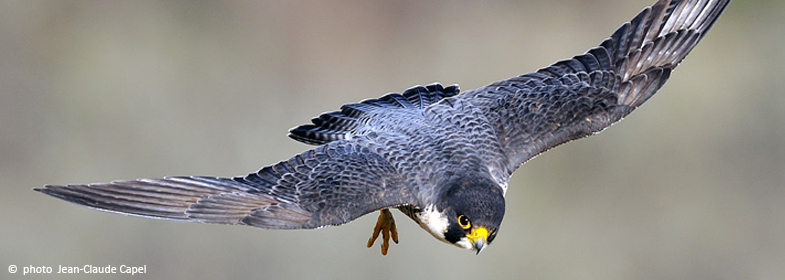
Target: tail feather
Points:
x,y
343,124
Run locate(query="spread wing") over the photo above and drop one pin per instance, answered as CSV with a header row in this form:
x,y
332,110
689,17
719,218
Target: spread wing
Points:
x,y
582,96
329,185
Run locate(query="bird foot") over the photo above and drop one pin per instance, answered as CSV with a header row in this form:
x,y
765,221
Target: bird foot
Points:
x,y
386,226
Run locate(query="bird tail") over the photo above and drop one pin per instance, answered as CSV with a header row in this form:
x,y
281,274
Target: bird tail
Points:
x,y
341,124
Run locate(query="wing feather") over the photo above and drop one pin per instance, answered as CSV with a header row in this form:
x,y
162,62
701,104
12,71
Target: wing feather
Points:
x,y
583,95
329,185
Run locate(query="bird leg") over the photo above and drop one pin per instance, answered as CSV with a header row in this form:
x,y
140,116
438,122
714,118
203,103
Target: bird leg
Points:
x,y
386,225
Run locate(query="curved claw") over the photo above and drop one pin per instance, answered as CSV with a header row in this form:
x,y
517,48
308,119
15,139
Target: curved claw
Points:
x,y
385,225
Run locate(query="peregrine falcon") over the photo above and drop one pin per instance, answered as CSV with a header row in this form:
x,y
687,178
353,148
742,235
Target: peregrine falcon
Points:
x,y
441,157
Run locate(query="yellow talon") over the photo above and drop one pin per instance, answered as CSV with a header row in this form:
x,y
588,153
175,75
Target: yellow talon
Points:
x,y
386,225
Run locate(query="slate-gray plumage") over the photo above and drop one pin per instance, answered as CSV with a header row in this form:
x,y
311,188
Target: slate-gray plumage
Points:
x,y
441,157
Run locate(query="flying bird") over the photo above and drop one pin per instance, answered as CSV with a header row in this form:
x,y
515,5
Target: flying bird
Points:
x,y
441,157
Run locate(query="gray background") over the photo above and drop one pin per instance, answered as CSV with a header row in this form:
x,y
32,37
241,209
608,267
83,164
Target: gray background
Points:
x,y
690,186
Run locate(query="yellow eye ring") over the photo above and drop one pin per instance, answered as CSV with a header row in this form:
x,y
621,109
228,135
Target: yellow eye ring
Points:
x,y
464,222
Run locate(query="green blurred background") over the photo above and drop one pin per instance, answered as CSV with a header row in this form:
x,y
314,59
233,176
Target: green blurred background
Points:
x,y
690,186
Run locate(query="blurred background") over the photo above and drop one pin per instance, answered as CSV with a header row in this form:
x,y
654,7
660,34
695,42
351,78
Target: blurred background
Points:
x,y
690,186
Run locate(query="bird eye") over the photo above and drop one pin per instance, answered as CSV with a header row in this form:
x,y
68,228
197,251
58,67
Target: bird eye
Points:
x,y
464,222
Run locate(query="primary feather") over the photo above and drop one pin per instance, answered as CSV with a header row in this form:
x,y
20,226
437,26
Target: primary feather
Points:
x,y
400,150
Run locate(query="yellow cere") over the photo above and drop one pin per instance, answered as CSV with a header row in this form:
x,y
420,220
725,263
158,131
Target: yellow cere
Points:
x,y
479,233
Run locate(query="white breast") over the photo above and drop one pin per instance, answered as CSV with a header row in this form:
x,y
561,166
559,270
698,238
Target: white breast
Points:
x,y
433,222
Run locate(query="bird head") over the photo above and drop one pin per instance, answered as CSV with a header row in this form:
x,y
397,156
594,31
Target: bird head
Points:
x,y
473,208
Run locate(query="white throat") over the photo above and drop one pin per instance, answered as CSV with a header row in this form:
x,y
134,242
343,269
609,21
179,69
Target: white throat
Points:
x,y
433,221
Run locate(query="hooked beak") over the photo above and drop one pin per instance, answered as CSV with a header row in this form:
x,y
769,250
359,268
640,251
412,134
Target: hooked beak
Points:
x,y
479,238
